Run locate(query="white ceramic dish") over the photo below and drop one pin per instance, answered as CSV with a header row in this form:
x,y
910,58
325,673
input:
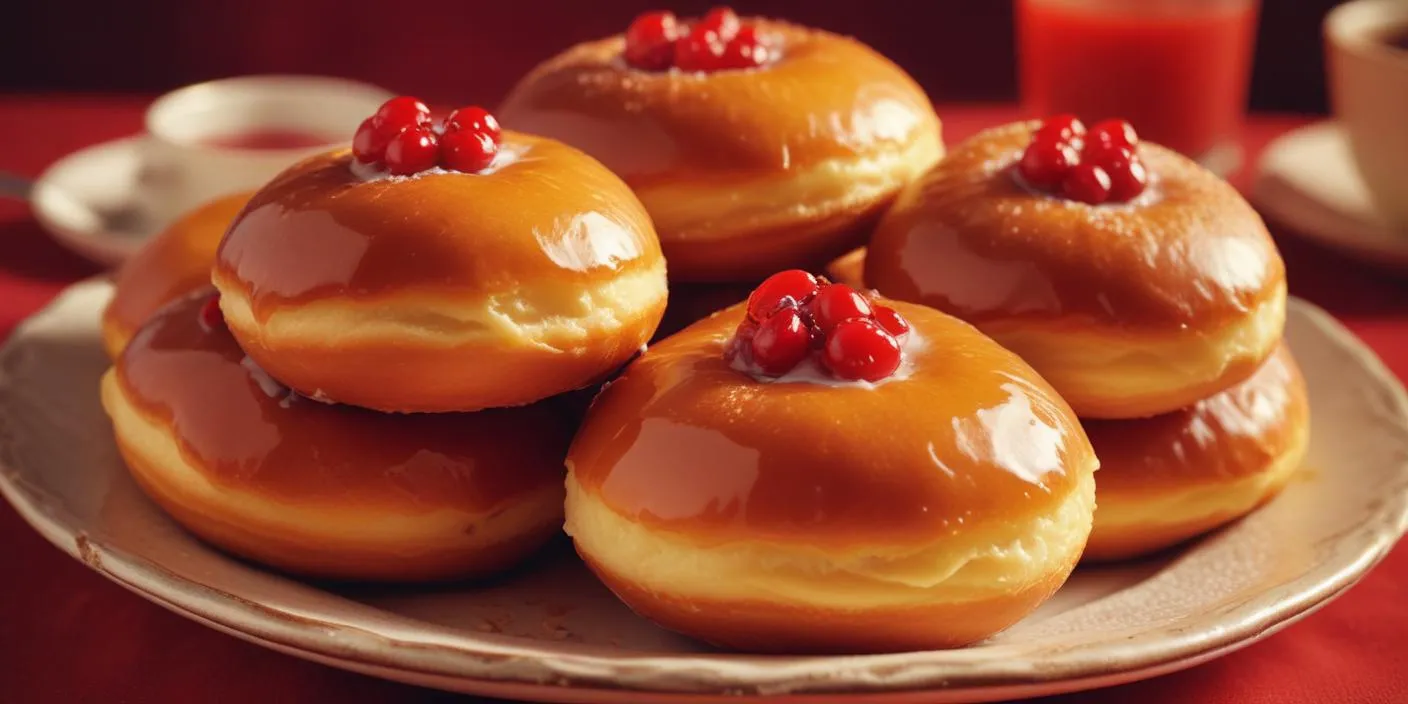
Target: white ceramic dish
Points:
x,y
70,195
1307,177
551,633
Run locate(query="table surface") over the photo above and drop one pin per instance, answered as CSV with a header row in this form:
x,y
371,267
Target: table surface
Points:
x,y
68,635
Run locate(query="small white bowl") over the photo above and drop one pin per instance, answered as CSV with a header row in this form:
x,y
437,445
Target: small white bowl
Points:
x,y
182,169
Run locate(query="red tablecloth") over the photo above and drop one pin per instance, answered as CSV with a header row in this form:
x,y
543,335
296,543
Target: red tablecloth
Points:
x,y
68,635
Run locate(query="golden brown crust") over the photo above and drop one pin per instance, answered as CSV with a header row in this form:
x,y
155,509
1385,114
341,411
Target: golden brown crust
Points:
x,y
1169,478
296,483
1228,436
172,264
744,172
1190,254
683,442
444,291
553,219
767,625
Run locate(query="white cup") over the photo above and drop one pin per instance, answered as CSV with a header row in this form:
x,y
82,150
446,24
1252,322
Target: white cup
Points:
x,y
1369,92
185,163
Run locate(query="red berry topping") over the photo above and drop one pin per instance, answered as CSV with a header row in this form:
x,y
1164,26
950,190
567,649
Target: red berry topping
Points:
x,y
781,342
210,316
1128,178
1087,183
836,303
861,349
1061,128
721,21
412,151
745,50
474,119
1117,133
401,112
1045,164
469,151
369,143
377,132
891,321
772,294
650,41
699,51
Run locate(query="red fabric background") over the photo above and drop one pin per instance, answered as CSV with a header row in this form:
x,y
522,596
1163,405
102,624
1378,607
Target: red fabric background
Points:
x,y
68,635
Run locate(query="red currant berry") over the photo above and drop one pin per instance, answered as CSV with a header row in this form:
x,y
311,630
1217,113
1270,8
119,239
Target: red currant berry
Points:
x,y
474,119
401,112
836,303
468,151
861,349
210,316
1128,178
650,41
1045,164
771,294
781,342
1115,133
1088,184
1060,128
1103,154
746,50
411,151
369,143
722,21
698,51
891,321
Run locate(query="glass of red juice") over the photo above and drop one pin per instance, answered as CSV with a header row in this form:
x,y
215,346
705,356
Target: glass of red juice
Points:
x,y
1177,69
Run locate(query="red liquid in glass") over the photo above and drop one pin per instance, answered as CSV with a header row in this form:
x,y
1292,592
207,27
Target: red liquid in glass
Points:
x,y
267,139
1177,70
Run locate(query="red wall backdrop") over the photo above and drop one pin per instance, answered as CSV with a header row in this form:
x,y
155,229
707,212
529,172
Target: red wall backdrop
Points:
x,y
473,50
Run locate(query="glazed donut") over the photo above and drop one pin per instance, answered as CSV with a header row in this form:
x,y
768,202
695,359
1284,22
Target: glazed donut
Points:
x,y
1129,310
172,264
1169,478
849,268
808,514
690,303
324,490
443,291
744,172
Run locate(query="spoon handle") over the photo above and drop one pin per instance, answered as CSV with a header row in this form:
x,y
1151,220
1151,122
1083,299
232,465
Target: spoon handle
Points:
x,y
15,186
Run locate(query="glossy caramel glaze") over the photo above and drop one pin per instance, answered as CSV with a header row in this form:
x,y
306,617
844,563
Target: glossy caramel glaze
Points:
x,y
242,430
1238,433
966,238
550,221
170,265
683,442
826,97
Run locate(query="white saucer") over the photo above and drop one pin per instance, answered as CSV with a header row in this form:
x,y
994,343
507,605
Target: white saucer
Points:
x,y
69,196
1307,179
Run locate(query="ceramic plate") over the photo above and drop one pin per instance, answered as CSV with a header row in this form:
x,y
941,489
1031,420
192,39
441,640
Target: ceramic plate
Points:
x,y
88,201
551,633
1308,177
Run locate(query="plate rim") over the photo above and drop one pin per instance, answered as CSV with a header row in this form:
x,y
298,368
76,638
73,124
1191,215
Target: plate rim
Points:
x,y
645,673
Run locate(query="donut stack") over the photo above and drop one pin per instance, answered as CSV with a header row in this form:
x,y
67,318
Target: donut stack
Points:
x,y
902,457
1142,286
369,391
